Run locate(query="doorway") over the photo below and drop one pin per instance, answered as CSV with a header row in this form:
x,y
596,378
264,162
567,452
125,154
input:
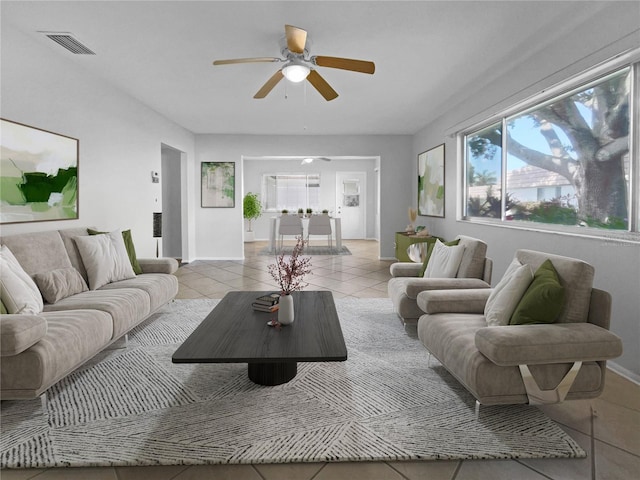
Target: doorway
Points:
x,y
172,204
351,202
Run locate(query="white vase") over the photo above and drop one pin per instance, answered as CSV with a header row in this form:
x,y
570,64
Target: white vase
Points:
x,y
285,312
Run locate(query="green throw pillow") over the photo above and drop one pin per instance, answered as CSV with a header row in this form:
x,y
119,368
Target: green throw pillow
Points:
x,y
128,243
452,243
542,302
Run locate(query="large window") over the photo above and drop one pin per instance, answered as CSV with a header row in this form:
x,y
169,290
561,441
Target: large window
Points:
x,y
565,160
291,191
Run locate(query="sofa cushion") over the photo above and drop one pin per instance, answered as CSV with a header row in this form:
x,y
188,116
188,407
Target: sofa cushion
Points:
x,y
61,283
507,293
19,332
38,252
105,258
430,248
539,344
575,276
444,261
543,300
161,288
68,235
18,291
127,306
130,247
473,260
72,338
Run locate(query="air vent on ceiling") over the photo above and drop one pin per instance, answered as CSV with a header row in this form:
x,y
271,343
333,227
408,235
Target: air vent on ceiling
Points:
x,y
68,41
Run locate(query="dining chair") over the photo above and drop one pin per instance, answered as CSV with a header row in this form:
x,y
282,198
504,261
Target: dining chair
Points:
x,y
289,225
320,225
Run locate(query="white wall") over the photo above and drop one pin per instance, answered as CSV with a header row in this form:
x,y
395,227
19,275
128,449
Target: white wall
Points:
x,y
255,168
219,233
617,264
120,138
171,181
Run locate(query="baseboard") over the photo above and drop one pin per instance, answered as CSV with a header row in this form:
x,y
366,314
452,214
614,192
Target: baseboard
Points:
x,y
623,372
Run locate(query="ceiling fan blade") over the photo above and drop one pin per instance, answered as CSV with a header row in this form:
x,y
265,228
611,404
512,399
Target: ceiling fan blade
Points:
x,y
296,38
361,66
246,60
267,87
322,86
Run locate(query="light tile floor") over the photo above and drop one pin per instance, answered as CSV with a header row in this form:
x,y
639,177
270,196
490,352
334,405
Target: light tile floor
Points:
x,y
607,428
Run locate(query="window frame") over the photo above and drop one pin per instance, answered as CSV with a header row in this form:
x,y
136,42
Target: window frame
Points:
x,y
306,175
568,87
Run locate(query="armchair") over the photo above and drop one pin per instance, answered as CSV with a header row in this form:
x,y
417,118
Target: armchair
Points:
x,y
534,363
406,283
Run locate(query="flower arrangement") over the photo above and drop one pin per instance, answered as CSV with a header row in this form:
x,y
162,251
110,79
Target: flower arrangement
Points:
x,y
289,272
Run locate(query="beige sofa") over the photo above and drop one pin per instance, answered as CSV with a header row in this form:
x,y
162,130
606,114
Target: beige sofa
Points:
x,y
405,285
536,363
39,350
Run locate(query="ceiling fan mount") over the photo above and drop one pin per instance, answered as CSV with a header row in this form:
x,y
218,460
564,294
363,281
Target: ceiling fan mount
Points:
x,y
300,65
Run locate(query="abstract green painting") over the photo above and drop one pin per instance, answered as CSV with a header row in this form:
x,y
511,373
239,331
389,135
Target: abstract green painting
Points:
x,y
218,184
431,182
38,174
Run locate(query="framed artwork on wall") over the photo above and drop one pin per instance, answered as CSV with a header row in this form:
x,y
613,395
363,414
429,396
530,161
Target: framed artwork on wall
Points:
x,y
218,184
431,182
38,174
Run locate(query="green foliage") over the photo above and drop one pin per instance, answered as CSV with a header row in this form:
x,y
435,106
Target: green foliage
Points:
x,y
251,206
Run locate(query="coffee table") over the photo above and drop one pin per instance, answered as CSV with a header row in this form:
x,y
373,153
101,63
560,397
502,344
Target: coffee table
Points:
x,y
234,333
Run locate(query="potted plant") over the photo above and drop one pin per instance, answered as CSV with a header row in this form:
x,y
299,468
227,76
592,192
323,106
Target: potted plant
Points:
x,y
309,212
251,210
289,272
325,212
300,212
285,211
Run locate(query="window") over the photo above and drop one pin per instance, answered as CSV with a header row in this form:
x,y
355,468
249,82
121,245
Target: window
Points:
x,y
291,191
565,160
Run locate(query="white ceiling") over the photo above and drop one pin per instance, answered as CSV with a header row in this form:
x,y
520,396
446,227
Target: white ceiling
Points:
x,y
425,52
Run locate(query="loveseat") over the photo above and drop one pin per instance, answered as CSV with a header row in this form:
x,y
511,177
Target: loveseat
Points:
x,y
40,348
407,282
530,362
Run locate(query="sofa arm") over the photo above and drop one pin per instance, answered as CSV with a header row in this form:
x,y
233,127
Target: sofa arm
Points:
x,y
470,300
19,332
542,344
158,265
405,269
417,285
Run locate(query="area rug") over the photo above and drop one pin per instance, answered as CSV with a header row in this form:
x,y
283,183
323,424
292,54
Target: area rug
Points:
x,y
132,406
310,250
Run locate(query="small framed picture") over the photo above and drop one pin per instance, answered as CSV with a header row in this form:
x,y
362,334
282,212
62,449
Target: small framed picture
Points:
x,y
218,184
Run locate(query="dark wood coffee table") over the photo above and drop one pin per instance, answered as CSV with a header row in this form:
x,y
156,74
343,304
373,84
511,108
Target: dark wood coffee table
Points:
x,y
234,333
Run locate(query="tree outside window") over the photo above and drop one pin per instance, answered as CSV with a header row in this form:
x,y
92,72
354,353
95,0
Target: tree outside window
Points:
x,y
566,161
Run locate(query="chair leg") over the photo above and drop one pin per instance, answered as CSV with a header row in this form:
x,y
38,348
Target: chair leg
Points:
x,y
477,409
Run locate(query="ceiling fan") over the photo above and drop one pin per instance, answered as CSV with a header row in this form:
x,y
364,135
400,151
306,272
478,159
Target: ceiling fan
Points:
x,y
300,66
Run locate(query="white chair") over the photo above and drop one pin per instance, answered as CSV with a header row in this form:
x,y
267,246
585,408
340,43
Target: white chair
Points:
x,y
289,225
320,225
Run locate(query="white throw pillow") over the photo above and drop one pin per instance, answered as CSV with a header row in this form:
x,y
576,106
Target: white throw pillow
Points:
x,y
507,294
18,291
105,258
444,261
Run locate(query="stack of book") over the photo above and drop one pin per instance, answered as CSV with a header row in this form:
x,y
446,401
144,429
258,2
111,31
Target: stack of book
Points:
x,y
266,303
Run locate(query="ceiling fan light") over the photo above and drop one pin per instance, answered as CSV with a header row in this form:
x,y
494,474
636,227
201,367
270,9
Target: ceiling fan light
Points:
x,y
296,73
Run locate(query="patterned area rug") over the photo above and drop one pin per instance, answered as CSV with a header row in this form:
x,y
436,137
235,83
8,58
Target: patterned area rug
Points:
x,y
132,406
310,250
